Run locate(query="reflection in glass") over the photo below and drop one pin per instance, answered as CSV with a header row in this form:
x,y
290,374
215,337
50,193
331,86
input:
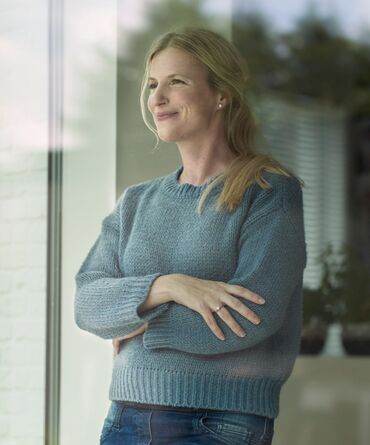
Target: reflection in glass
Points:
x,y
310,65
310,76
309,94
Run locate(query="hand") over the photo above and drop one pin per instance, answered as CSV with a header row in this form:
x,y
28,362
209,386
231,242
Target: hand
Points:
x,y
116,342
204,296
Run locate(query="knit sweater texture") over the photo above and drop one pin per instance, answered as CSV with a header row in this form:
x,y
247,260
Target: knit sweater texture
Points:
x,y
154,230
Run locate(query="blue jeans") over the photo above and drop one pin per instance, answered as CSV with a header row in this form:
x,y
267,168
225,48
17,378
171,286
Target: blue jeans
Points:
x,y
128,425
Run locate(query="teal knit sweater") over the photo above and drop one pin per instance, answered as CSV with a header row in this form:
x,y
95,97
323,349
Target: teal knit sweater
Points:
x,y
155,230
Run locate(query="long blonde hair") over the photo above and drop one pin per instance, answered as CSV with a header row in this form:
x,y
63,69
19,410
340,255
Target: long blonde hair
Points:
x,y
227,72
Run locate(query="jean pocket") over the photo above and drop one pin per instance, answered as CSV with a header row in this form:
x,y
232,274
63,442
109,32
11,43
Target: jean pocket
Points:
x,y
111,422
267,436
227,428
105,432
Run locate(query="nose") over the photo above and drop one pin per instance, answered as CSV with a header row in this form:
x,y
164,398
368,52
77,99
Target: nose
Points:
x,y
159,96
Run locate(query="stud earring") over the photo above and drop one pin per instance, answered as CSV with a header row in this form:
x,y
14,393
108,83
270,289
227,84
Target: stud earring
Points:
x,y
219,105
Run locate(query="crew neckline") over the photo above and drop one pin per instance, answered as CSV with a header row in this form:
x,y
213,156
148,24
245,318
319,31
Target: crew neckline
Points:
x,y
186,189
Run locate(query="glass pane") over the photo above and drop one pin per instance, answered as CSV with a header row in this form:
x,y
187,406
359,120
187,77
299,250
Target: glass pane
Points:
x,y
309,65
23,221
310,78
309,91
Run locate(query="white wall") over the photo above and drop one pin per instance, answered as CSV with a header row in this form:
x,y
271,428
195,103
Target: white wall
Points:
x,y
23,211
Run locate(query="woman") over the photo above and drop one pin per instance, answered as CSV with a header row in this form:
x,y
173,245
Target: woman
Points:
x,y
202,302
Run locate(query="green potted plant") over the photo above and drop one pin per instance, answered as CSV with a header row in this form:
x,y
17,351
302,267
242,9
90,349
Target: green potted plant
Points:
x,y
323,307
314,324
331,285
333,289
355,277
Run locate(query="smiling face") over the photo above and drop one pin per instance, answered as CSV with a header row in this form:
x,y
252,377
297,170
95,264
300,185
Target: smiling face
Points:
x,y
178,84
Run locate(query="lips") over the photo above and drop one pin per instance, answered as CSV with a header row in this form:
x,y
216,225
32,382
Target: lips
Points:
x,y
163,116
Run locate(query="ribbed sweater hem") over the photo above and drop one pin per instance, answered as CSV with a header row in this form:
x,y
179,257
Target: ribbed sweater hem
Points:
x,y
206,391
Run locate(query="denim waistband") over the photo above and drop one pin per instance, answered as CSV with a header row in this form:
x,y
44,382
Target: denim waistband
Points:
x,y
162,407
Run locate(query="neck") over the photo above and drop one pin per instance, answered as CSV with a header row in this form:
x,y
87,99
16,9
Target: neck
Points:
x,y
200,168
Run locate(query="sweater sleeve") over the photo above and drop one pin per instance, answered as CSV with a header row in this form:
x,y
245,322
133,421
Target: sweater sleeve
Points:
x,y
106,302
272,258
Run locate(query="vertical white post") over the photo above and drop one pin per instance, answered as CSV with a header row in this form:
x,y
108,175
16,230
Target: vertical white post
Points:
x,y
89,194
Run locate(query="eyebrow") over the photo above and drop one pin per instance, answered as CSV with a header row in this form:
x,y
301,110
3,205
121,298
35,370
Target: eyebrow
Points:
x,y
169,76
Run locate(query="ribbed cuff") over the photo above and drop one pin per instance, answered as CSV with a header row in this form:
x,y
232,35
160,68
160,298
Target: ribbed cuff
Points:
x,y
122,298
144,285
158,334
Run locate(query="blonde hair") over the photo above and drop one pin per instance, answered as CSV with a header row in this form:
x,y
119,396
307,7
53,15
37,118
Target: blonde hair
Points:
x,y
227,72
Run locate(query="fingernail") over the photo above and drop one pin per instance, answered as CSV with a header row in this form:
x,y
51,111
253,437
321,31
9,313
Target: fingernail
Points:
x,y
261,300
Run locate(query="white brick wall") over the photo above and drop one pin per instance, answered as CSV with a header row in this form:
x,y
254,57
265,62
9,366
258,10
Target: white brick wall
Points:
x,y
22,310
23,210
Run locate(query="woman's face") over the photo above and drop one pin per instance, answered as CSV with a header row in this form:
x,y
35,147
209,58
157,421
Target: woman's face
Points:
x,y
187,94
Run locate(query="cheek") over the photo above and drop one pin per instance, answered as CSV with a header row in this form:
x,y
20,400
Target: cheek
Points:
x,y
185,110
149,104
199,105
191,107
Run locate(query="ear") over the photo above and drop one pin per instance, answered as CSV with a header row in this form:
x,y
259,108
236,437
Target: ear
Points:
x,y
223,99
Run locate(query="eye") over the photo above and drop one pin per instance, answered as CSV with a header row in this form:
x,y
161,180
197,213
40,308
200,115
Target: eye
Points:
x,y
151,86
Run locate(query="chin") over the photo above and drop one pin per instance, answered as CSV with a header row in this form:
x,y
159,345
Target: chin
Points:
x,y
167,137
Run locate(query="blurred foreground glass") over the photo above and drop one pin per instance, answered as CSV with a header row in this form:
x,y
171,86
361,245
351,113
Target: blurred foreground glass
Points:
x,y
23,225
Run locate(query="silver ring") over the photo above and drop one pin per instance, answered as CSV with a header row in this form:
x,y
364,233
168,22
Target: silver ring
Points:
x,y
218,308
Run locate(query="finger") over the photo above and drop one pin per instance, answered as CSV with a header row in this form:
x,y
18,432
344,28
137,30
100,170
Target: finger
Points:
x,y
211,322
241,291
116,345
133,334
244,310
231,322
